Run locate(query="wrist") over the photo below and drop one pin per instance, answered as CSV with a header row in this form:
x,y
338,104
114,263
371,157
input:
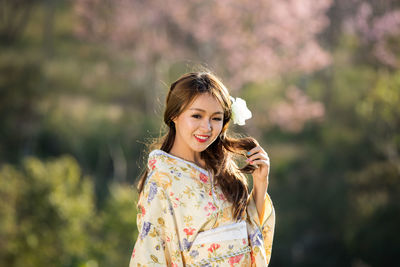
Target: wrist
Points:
x,y
260,189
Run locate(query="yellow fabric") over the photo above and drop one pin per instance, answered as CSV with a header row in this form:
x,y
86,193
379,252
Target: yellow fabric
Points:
x,y
266,209
262,213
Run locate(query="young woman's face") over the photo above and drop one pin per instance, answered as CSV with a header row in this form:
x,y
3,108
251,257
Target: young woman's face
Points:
x,y
199,125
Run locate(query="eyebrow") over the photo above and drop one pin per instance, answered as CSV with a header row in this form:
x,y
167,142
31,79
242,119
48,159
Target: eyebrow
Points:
x,y
199,109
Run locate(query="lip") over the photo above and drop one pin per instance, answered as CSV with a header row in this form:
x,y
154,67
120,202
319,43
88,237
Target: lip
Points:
x,y
202,140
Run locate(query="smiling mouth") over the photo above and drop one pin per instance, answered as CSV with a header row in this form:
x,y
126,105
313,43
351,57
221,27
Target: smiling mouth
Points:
x,y
201,138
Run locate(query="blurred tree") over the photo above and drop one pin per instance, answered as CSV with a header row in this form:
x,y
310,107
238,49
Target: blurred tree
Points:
x,y
48,217
115,227
341,189
241,40
376,24
375,187
20,88
379,31
14,16
47,209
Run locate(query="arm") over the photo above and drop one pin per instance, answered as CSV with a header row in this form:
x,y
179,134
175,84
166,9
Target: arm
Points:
x,y
259,158
260,209
261,232
260,196
150,244
156,242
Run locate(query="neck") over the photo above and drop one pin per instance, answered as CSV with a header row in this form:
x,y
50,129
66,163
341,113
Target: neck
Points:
x,y
191,156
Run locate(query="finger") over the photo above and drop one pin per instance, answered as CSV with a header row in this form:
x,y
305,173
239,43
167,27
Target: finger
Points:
x,y
262,156
257,152
254,150
260,162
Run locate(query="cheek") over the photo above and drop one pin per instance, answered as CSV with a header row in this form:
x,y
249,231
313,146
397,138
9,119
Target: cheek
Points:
x,y
217,127
188,125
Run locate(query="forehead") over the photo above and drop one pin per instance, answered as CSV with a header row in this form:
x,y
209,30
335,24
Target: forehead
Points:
x,y
207,103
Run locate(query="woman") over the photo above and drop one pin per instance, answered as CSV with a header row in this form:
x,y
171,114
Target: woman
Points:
x,y
194,206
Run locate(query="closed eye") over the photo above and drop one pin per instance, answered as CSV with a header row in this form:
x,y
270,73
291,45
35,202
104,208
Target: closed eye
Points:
x,y
197,116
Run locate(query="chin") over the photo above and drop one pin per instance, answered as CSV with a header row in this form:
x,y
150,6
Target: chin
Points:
x,y
200,149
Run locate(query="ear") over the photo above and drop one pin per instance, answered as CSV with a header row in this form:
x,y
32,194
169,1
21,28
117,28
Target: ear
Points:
x,y
173,121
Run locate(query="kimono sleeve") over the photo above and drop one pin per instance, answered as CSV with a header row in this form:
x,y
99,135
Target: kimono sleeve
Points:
x,y
261,233
154,245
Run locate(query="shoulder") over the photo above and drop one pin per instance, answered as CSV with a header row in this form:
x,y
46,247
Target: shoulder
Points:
x,y
159,159
174,173
159,170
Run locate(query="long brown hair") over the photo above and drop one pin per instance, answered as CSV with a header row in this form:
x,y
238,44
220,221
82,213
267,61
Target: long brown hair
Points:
x,y
219,156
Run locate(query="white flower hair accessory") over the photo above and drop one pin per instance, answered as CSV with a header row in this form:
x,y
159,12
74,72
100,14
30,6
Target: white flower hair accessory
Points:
x,y
240,112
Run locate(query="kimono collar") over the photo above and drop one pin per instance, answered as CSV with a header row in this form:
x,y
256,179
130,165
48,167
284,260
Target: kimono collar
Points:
x,y
157,157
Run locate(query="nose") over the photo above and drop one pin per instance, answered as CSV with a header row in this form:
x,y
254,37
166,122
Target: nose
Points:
x,y
206,124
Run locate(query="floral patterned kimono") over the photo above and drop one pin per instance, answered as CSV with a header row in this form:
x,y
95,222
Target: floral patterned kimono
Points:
x,y
184,220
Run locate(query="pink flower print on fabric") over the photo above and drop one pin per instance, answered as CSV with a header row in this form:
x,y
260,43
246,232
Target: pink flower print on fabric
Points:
x,y
152,163
222,197
143,211
235,259
176,202
133,253
214,247
189,231
203,178
210,208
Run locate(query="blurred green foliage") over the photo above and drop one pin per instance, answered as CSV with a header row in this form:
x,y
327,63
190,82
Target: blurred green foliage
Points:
x,y
73,123
48,217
